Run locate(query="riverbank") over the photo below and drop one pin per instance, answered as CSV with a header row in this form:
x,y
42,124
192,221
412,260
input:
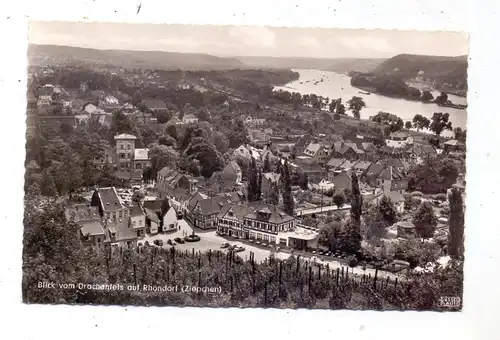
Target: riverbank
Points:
x,y
336,85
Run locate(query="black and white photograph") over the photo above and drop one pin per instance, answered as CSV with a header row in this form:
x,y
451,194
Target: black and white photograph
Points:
x,y
245,166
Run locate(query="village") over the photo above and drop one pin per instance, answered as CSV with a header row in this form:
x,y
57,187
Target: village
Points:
x,y
242,206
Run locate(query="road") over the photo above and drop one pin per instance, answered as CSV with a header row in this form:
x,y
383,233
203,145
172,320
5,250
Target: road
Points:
x,y
209,240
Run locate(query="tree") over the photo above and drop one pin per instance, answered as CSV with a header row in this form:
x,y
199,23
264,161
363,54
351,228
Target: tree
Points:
x,y
273,194
356,200
137,196
339,107
439,123
425,220
393,122
167,141
252,185
356,104
267,165
259,185
380,217
339,200
220,141
349,240
420,122
460,134
435,175
408,125
48,185
329,234
442,98
427,96
287,190
209,158
162,156
456,220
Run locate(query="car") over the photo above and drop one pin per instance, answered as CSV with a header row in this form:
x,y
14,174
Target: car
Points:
x,y
139,244
158,242
177,239
238,249
225,245
169,241
314,251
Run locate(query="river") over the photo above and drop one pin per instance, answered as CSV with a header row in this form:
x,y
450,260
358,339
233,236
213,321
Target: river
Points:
x,y
336,85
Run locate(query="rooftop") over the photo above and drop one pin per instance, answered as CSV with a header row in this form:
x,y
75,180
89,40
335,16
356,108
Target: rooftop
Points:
x,y
91,228
125,136
109,199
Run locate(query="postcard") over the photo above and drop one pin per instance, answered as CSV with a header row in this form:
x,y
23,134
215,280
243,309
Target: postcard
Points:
x,y
253,167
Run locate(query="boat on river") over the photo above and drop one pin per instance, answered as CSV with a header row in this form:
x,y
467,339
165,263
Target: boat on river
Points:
x,y
367,93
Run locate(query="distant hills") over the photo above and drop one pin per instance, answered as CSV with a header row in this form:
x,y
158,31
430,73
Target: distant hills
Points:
x,y
51,54
437,69
342,65
441,71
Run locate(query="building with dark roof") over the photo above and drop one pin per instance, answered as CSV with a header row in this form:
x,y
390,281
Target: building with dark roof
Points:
x,y
110,206
155,105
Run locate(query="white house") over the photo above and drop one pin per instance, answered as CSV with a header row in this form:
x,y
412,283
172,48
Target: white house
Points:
x,y
189,118
170,221
399,139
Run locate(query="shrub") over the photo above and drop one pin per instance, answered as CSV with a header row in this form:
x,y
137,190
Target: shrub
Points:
x,y
417,194
440,197
352,261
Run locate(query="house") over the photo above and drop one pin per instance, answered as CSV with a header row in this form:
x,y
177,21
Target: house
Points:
x,y
152,221
399,139
45,93
137,220
46,123
169,179
454,145
82,212
91,108
155,105
110,206
314,173
252,121
342,180
396,198
344,150
230,220
120,234
125,149
269,180
335,163
316,152
390,179
141,159
170,220
103,118
258,136
232,172
301,144
189,119
203,213
266,222
242,151
92,233
361,168
142,118
405,229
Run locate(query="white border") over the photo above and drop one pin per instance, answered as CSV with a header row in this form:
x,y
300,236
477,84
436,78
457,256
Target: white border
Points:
x,y
481,297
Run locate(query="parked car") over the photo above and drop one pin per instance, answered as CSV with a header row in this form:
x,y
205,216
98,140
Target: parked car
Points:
x,y
158,242
170,242
225,245
192,238
179,240
239,249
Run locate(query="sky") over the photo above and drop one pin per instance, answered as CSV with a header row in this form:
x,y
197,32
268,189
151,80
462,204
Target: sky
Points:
x,y
249,40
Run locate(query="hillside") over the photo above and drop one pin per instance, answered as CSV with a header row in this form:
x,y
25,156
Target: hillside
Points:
x,y
342,65
441,70
56,55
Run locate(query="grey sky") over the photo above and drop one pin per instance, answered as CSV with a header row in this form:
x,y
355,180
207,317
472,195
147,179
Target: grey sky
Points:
x,y
249,40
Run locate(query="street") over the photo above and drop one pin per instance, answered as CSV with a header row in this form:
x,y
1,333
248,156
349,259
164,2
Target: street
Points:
x,y
209,240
